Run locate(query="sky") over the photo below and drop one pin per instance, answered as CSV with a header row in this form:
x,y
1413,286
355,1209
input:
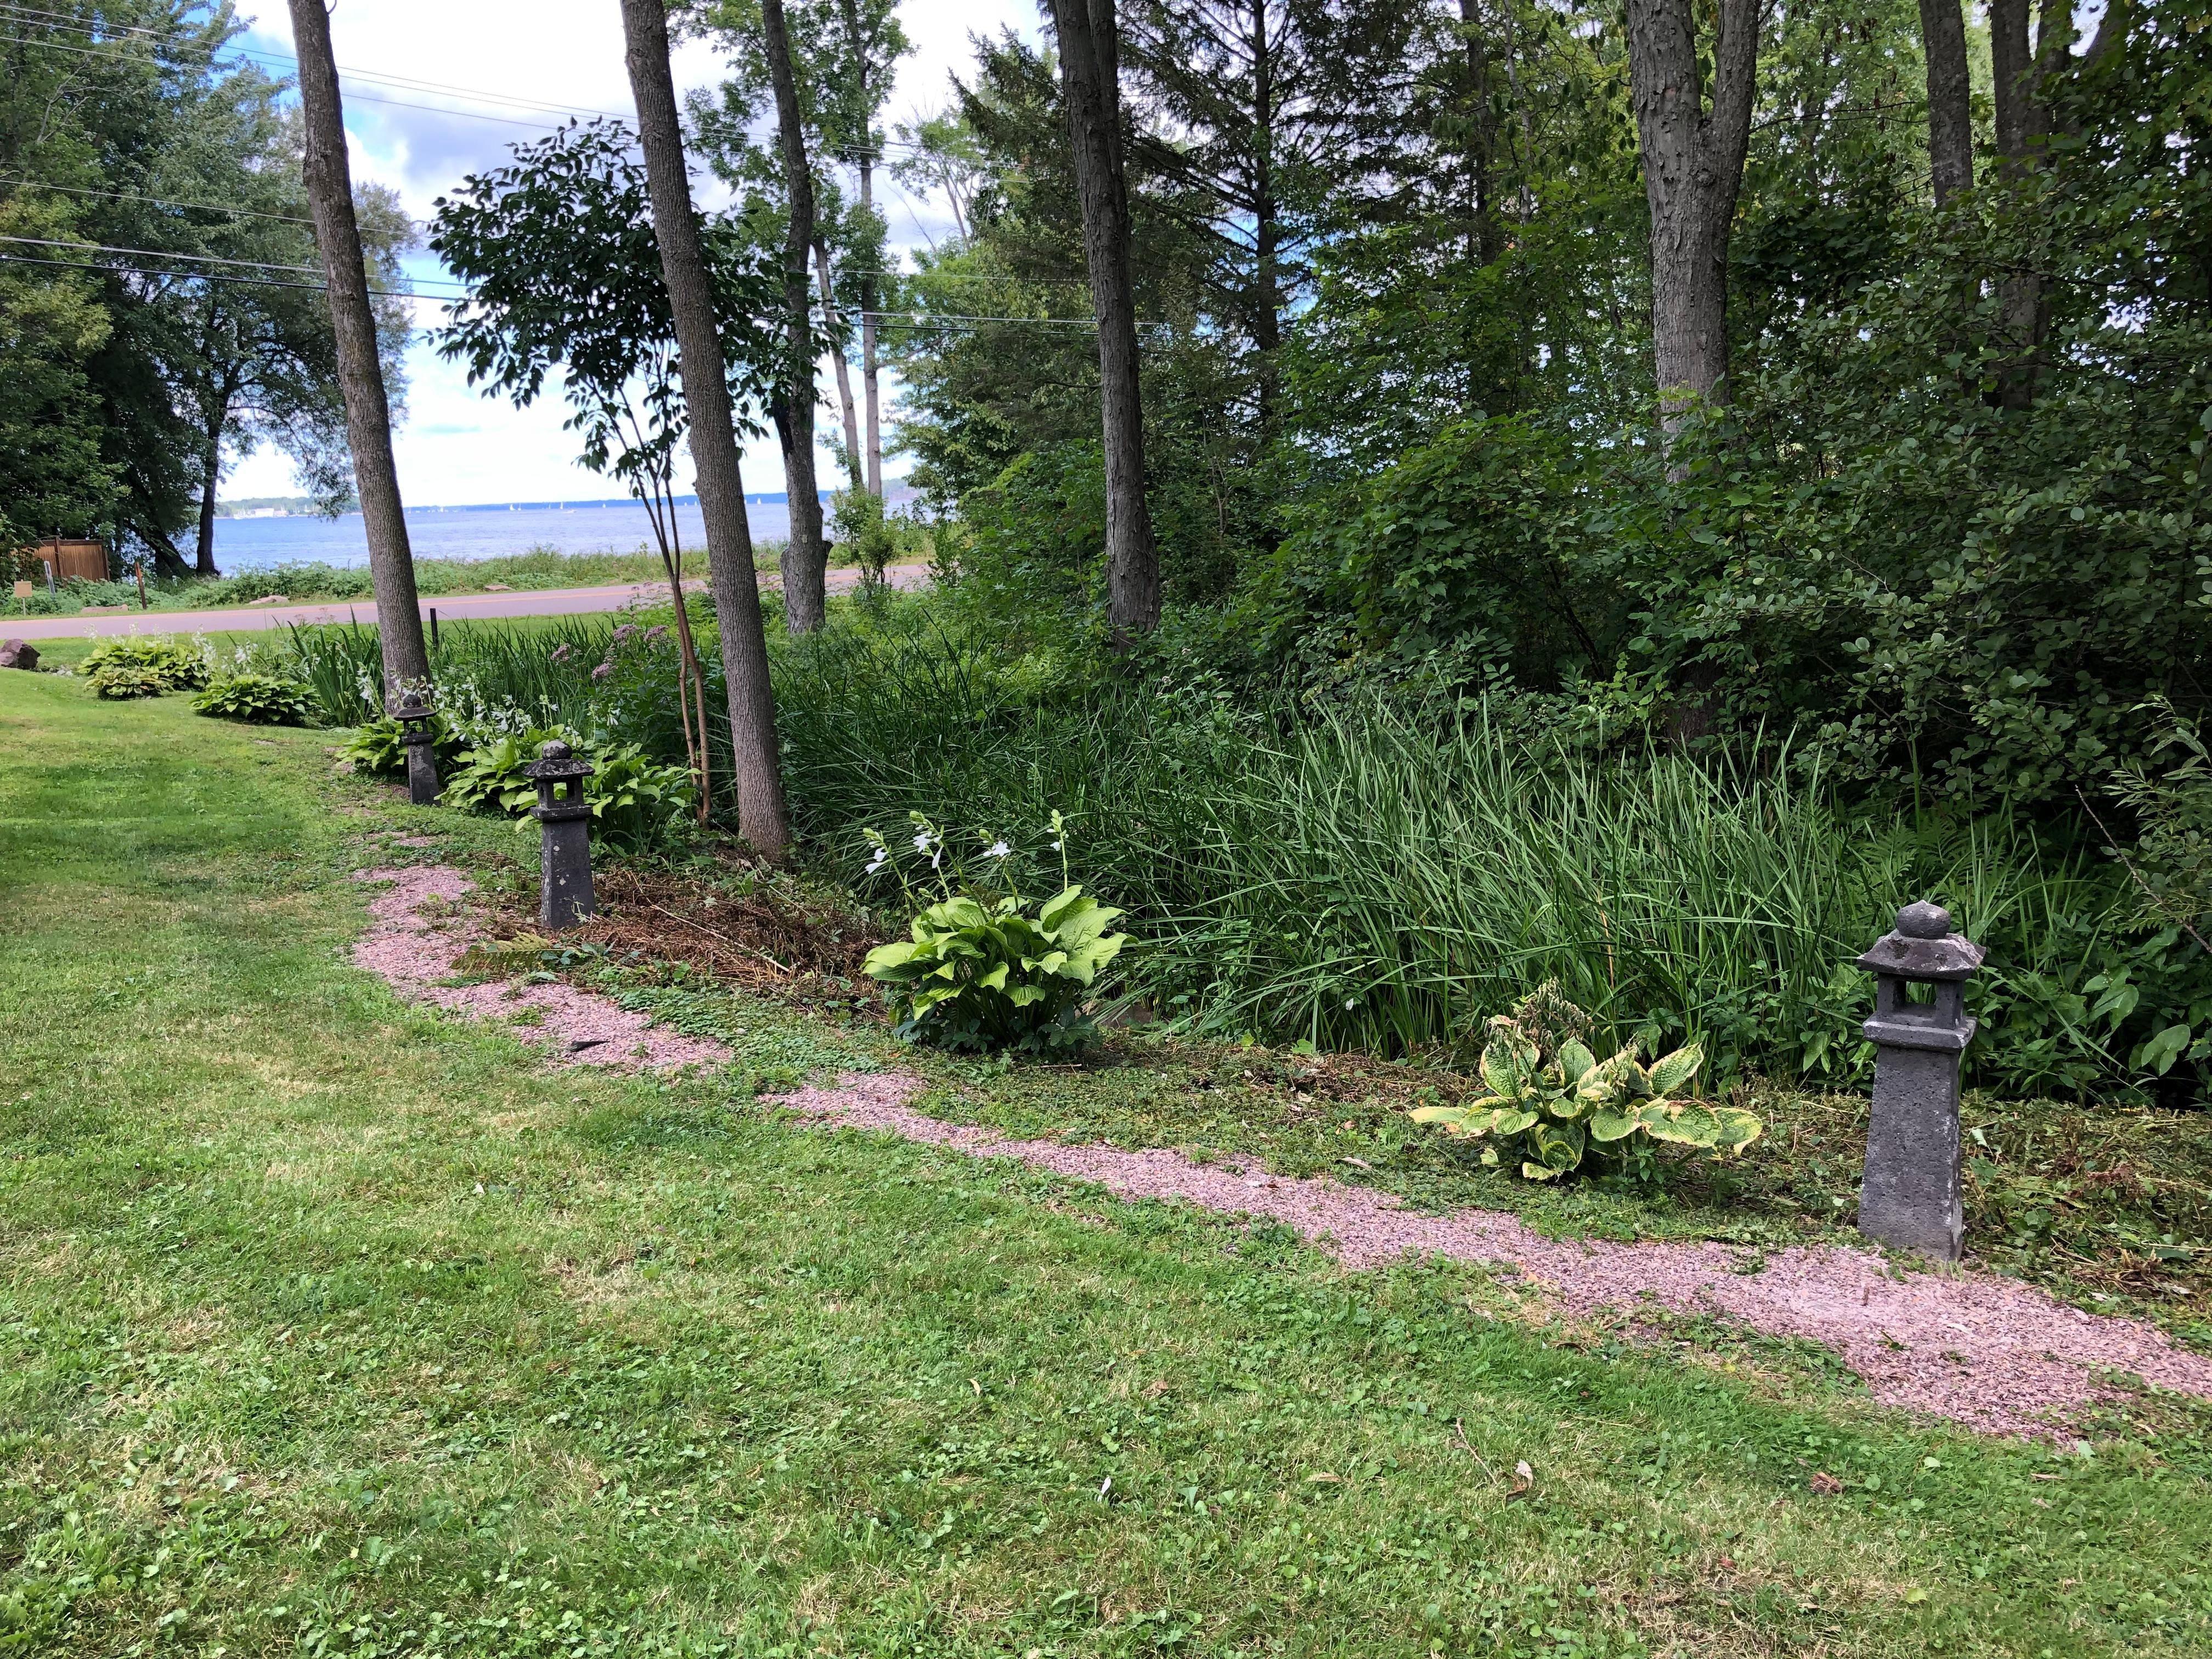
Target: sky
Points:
x,y
497,57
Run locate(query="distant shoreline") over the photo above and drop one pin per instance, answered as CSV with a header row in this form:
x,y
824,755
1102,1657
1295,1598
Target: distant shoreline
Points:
x,y
300,507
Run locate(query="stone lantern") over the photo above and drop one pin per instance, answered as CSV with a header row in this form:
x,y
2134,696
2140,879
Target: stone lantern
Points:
x,y
1909,1197
565,819
414,716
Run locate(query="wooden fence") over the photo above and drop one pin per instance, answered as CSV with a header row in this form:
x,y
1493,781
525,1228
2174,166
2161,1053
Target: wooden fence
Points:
x,y
85,560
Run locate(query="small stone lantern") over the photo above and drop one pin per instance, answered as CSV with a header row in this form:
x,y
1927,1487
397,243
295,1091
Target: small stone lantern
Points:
x,y
414,716
1909,1197
564,818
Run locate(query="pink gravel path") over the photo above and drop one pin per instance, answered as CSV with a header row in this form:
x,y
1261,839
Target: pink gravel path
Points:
x,y
413,953
1982,1349
1986,1350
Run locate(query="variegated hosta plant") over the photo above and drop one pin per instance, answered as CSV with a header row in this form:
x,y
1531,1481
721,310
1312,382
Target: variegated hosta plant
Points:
x,y
1551,1106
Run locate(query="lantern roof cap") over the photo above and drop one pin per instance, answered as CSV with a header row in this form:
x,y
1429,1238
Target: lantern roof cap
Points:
x,y
413,706
1923,946
557,761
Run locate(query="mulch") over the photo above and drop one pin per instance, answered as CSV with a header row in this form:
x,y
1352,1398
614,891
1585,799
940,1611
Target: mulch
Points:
x,y
741,928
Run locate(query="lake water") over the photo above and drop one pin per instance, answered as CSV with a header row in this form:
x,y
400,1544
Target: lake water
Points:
x,y
485,532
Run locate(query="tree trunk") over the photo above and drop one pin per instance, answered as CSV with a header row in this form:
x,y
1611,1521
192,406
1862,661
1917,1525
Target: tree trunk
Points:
x,y
1482,138
2023,128
870,355
805,558
762,818
1950,109
1267,221
853,459
864,159
870,358
1089,80
2010,67
204,563
360,374
1693,170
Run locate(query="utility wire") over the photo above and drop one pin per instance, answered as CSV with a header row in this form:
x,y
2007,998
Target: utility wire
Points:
x,y
156,201
405,83
207,276
196,258
60,21
352,97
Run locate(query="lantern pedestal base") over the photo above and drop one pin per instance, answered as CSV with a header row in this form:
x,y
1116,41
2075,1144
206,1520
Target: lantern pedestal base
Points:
x,y
565,896
1909,1198
422,785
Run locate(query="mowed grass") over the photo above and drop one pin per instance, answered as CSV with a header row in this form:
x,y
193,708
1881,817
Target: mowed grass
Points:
x,y
328,1328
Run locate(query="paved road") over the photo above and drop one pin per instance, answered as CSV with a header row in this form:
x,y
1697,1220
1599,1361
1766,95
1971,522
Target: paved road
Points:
x,y
450,607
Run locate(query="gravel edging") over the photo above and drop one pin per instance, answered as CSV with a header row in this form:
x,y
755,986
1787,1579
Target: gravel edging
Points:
x,y
1991,1352
412,953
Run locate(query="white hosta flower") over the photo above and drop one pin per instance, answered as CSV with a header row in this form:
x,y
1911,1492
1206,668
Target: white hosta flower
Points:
x,y
996,849
883,857
922,841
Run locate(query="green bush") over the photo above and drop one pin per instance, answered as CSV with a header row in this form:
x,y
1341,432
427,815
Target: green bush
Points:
x,y
258,699
984,970
1550,1100
488,777
1382,873
139,665
636,802
119,681
373,746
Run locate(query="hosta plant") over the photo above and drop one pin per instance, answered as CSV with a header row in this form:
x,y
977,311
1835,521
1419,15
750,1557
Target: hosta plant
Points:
x,y
1549,1101
636,801
982,969
258,699
375,747
138,665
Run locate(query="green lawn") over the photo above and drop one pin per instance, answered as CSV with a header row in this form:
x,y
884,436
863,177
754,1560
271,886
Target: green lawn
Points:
x,y
327,1328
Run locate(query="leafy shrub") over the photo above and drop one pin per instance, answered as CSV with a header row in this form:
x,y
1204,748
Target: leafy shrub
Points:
x,y
1550,1100
121,680
980,972
636,802
374,746
258,699
138,665
488,778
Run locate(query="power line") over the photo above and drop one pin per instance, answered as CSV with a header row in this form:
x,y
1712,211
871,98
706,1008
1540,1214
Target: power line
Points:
x,y
196,258
156,201
354,97
209,276
62,20
918,318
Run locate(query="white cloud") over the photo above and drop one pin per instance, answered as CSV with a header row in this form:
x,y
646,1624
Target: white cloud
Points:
x,y
456,446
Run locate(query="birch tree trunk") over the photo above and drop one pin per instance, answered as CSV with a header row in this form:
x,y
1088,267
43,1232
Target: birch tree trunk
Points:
x,y
329,181
761,817
1693,171
1090,82
1950,110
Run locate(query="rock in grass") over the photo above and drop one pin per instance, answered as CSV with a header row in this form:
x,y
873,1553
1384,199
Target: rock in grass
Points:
x,y
18,653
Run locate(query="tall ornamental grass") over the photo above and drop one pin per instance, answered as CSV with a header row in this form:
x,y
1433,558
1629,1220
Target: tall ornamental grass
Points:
x,y
1385,877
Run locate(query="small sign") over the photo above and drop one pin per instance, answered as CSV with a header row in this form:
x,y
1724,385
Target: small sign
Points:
x,y
22,590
